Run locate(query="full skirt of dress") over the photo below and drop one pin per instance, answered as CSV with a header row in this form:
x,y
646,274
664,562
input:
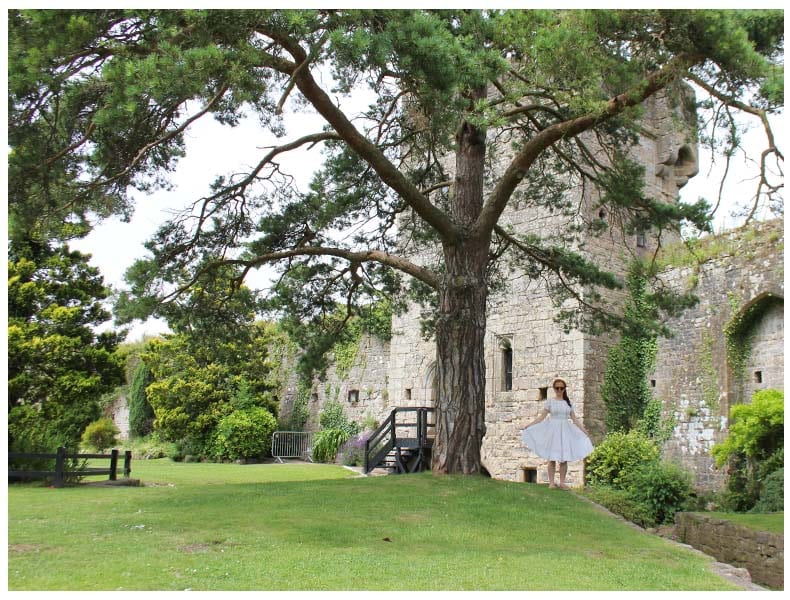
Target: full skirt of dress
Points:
x,y
557,439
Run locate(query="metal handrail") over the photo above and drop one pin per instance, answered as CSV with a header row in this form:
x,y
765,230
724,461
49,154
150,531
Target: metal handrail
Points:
x,y
384,438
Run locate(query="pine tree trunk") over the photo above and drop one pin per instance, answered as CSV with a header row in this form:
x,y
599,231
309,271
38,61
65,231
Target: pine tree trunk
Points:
x,y
461,325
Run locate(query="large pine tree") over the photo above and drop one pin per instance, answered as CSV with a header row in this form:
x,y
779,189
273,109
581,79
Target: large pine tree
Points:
x,y
101,101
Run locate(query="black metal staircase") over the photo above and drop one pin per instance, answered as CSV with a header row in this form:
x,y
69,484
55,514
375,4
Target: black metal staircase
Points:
x,y
401,445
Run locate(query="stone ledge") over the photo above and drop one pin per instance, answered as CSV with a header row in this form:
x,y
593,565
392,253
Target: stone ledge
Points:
x,y
760,552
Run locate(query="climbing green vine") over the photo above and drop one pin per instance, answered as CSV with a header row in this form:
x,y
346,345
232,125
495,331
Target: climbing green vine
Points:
x,y
625,389
710,378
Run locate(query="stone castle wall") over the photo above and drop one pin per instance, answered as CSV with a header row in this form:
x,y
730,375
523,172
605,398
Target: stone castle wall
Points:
x,y
522,317
692,376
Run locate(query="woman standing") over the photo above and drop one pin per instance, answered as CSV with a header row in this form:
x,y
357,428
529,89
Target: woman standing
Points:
x,y
557,434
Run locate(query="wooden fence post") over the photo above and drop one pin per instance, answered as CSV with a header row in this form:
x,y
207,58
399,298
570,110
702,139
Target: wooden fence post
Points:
x,y
60,468
127,464
114,464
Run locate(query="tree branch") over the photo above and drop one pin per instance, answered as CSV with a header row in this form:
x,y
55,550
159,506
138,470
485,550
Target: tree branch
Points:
x,y
519,166
425,275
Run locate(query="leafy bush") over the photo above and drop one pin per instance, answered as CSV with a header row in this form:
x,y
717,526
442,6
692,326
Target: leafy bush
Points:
x,y
621,503
756,429
619,455
352,453
326,444
661,488
334,417
772,498
150,447
141,415
243,434
100,435
187,449
753,448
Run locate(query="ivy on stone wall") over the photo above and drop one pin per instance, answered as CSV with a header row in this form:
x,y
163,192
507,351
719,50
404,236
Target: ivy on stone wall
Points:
x,y
710,378
625,389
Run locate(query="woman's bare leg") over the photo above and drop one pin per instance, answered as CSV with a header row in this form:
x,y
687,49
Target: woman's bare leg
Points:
x,y
563,472
552,469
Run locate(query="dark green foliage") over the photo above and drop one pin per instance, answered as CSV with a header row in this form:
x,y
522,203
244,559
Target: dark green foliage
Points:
x,y
198,381
100,435
618,456
141,415
625,389
58,367
772,497
662,488
620,502
753,449
334,417
326,444
244,433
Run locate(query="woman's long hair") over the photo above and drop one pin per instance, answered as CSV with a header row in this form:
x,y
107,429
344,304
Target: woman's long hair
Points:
x,y
564,392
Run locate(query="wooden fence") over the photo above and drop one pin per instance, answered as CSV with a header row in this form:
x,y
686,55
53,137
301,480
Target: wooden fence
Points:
x,y
60,457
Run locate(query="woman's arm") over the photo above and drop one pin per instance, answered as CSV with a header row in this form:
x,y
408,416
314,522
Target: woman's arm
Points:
x,y
578,423
541,416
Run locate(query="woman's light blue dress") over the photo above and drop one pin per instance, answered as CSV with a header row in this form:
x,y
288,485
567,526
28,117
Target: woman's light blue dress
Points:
x,y
556,437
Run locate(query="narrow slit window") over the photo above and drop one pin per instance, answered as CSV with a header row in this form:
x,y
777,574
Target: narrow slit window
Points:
x,y
758,377
507,369
652,383
353,396
641,240
543,393
407,394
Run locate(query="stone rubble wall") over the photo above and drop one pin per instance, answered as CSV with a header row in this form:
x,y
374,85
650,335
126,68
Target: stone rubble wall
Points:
x,y
692,376
760,552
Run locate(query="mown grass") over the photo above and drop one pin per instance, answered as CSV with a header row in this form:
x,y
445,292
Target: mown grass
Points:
x,y
772,522
311,527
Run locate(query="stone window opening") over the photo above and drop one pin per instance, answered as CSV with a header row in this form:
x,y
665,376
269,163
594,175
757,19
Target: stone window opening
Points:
x,y
602,214
652,383
353,396
407,394
758,377
529,475
641,239
543,393
506,347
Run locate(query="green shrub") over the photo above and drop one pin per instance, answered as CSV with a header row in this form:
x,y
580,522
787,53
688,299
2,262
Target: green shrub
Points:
x,y
326,444
756,429
141,415
334,417
100,435
189,446
618,455
243,434
620,502
772,497
150,447
661,488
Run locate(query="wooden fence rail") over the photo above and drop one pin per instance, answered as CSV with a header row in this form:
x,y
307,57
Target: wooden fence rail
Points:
x,y
60,457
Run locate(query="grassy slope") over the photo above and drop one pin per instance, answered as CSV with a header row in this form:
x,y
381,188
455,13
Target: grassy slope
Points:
x,y
294,527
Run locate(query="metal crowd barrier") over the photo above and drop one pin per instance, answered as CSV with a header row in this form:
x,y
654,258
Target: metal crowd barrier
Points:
x,y
292,444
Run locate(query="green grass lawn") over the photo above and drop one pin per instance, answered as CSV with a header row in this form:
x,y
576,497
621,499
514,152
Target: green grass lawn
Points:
x,y
317,527
773,522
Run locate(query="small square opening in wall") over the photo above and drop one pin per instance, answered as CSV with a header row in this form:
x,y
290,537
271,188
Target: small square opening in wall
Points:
x,y
652,383
407,394
353,396
543,393
758,377
529,474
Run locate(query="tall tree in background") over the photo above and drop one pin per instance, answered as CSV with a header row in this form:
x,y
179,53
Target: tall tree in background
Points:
x,y
58,367
101,101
